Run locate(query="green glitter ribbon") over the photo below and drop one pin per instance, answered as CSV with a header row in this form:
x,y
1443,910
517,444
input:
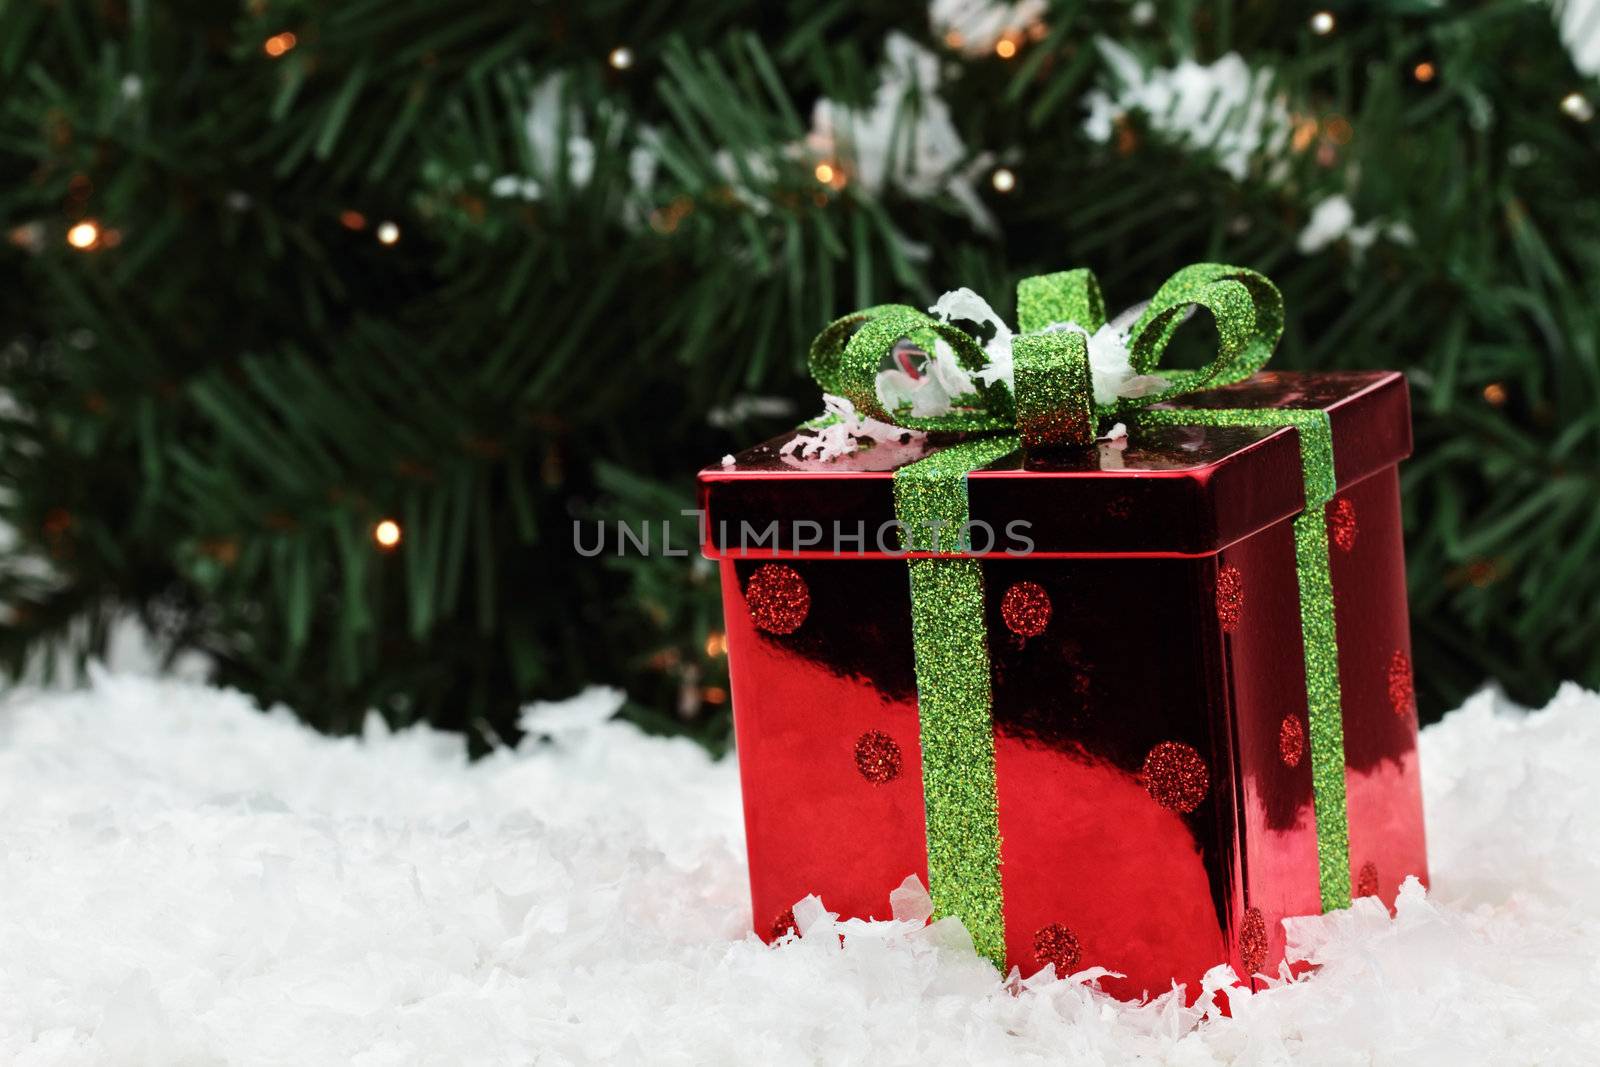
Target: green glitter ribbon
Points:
x,y
958,781
1052,405
953,696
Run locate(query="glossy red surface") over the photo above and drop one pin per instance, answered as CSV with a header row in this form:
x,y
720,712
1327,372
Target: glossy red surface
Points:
x,y
1151,892
801,703
1131,655
1163,491
1382,780
1263,673
1174,490
1146,889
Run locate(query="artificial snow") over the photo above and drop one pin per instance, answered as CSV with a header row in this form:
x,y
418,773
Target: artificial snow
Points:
x,y
1226,106
1333,218
839,432
906,139
186,880
1579,21
976,26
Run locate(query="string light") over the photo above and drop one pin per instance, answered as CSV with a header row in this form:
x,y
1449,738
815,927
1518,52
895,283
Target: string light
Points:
x,y
1424,71
1577,106
84,235
1322,23
279,43
1005,48
1495,394
352,220
388,232
829,175
621,57
716,643
1003,180
387,534
1305,132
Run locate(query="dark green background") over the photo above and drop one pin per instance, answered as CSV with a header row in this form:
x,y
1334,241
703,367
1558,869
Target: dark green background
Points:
x,y
204,421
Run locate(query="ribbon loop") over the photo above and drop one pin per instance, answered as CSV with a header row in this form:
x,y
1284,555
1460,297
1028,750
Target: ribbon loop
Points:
x,y
1247,308
847,355
837,374
1047,300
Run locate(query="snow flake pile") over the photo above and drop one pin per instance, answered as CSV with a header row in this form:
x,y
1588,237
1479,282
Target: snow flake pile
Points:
x,y
188,880
840,431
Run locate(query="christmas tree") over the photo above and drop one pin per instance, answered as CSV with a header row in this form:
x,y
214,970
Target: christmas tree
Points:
x,y
325,322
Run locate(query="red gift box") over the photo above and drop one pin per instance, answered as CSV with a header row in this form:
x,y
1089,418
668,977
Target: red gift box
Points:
x,y
1106,730
1153,781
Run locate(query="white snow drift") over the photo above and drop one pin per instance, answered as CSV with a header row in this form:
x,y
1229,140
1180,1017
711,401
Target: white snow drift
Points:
x,y
184,880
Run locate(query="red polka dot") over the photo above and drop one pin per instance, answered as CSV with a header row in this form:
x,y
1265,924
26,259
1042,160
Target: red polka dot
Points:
x,y
1367,880
1026,609
1253,941
1402,690
877,757
1342,524
1176,776
1230,597
1291,741
778,598
782,923
1058,945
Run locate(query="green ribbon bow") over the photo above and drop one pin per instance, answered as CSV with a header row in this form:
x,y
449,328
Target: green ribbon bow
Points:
x,y
1053,405
1053,402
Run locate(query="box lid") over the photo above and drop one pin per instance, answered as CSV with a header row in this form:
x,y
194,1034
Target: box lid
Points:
x,y
1163,491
